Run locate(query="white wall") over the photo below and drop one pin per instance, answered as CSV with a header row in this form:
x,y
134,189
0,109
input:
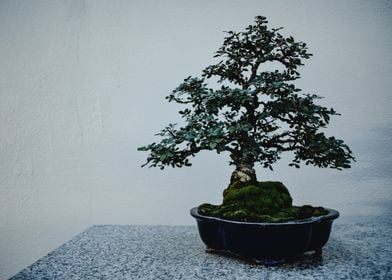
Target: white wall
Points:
x,y
82,85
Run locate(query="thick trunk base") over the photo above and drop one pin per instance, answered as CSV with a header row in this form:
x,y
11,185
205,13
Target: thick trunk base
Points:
x,y
244,173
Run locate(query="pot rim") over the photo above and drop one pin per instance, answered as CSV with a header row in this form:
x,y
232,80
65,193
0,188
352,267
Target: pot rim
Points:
x,y
333,214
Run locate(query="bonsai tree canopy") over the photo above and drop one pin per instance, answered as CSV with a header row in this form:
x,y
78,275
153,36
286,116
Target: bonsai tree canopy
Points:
x,y
242,107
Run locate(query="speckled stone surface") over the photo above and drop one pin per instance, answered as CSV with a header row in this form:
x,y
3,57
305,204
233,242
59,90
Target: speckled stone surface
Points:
x,y
354,251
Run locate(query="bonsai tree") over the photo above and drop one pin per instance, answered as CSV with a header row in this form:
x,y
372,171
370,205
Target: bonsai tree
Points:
x,y
248,106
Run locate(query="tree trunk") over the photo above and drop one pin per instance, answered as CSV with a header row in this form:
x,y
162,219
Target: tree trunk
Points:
x,y
244,173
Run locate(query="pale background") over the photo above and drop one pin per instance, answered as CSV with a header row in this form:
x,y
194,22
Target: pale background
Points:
x,y
82,85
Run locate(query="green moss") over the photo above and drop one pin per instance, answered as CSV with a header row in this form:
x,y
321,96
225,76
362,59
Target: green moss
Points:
x,y
260,201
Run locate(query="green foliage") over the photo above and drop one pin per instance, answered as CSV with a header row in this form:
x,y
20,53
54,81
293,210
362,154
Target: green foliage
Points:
x,y
261,202
254,114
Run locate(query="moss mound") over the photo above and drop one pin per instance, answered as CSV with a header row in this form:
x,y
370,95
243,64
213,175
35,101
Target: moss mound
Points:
x,y
259,202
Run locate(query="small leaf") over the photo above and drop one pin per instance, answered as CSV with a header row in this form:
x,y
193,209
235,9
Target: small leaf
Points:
x,y
213,145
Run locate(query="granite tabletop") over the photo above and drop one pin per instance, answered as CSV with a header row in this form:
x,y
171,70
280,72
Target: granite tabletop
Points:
x,y
354,251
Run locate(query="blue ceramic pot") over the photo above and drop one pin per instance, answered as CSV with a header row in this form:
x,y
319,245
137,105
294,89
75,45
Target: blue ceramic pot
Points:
x,y
268,243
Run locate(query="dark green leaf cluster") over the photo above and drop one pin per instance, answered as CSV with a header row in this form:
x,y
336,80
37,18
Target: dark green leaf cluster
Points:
x,y
255,114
